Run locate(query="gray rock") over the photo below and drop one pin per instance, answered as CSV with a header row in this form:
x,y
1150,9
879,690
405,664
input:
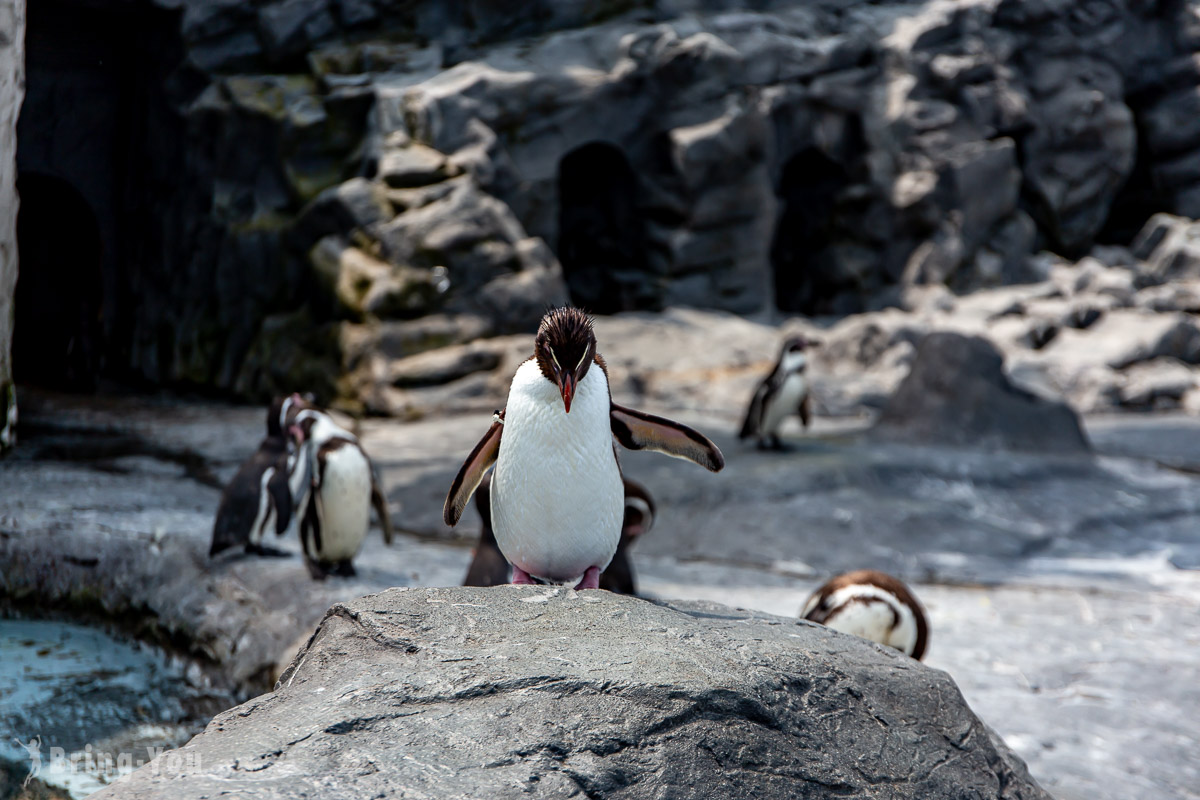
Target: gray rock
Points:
x,y
1158,384
443,365
957,393
509,691
1170,247
414,165
358,284
12,83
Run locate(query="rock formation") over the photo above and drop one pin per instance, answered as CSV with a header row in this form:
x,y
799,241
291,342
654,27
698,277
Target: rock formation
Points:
x,y
12,71
320,180
508,692
957,393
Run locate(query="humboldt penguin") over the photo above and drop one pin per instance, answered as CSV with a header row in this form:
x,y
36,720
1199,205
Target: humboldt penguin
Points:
x,y
342,488
639,519
556,495
782,393
872,605
489,567
259,498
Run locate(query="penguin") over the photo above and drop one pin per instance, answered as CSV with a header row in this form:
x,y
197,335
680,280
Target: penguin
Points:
x,y
872,605
259,497
556,494
342,488
784,392
489,567
639,519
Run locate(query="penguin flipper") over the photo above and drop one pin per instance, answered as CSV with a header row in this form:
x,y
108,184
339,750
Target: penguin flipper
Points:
x,y
281,496
381,507
806,409
637,430
472,472
754,413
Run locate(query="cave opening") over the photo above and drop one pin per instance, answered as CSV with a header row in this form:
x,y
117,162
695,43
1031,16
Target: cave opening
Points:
x,y
1140,198
601,232
57,338
808,192
99,142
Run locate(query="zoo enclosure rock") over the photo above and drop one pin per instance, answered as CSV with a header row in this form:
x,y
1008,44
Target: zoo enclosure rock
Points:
x,y
811,155
509,692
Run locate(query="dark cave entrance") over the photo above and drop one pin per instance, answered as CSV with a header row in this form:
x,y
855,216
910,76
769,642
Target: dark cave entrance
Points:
x,y
601,233
98,143
57,339
808,192
1140,198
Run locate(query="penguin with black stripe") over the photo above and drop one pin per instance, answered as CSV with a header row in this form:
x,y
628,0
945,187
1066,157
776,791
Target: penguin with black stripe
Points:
x,y
557,498
872,605
260,497
342,489
784,392
489,567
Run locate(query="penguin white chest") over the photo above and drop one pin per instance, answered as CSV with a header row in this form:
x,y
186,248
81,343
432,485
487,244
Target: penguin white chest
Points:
x,y
557,495
344,503
872,613
785,402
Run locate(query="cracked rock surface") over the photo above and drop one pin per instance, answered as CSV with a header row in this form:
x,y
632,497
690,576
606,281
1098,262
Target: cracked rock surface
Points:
x,y
530,691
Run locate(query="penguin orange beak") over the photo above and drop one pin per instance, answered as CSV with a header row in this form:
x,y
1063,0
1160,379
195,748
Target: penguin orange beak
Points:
x,y
566,385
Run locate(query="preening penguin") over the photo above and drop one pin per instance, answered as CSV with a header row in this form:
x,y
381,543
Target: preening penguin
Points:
x,y
341,491
873,605
782,393
259,498
556,493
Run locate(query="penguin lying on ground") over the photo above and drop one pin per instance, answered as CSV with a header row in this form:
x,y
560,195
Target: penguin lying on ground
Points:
x,y
342,488
872,605
259,498
782,393
557,496
489,567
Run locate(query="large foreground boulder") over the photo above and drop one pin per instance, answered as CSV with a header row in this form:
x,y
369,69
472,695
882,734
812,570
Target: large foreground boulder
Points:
x,y
533,692
957,393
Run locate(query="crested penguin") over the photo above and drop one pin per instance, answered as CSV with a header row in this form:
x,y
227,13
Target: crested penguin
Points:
x,y
489,567
259,498
872,605
556,493
342,488
784,392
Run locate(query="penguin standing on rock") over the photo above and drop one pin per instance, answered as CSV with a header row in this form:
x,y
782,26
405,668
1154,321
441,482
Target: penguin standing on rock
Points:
x,y
872,605
489,567
557,498
342,489
259,498
782,393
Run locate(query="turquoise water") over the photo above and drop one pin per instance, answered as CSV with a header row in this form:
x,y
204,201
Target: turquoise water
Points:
x,y
70,690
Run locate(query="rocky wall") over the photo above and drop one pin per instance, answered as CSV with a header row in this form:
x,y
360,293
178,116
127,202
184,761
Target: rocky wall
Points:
x,y
332,184
12,80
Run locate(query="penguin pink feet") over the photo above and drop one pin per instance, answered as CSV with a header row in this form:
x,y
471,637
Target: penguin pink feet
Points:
x,y
591,579
521,577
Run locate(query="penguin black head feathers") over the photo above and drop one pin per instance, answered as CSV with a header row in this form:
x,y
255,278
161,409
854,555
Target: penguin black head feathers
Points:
x,y
565,347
